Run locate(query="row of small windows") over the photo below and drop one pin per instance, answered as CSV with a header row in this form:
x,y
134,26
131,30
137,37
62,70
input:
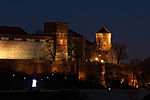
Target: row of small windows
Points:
x,y
21,39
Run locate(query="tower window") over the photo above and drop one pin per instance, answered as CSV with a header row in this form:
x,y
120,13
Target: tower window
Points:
x,y
61,41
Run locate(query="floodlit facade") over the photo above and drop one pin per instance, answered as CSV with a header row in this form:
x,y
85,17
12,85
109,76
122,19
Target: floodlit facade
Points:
x,y
15,43
56,43
56,50
103,42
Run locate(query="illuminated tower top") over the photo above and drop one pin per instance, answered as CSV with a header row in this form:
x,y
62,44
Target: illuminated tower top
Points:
x,y
103,30
103,39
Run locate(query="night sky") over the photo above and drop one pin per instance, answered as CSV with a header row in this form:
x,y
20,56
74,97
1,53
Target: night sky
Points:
x,y
128,20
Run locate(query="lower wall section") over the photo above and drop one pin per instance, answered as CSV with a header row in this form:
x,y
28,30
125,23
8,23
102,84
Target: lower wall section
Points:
x,y
84,70
24,65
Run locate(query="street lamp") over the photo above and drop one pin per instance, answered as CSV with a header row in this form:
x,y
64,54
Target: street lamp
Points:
x,y
102,61
96,58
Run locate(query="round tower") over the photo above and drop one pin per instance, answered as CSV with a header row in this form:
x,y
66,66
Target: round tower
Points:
x,y
103,39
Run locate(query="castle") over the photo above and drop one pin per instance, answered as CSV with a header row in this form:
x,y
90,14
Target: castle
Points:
x,y
56,43
55,50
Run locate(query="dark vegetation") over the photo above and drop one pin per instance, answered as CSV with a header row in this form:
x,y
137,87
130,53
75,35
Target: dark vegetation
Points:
x,y
11,80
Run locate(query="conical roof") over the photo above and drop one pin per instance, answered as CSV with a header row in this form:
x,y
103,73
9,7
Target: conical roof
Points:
x,y
103,30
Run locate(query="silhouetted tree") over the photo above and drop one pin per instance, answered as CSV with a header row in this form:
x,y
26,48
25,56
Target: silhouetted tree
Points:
x,y
145,72
51,48
119,52
136,71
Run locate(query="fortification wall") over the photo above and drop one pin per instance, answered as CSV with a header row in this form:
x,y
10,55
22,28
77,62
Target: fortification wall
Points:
x,y
21,50
92,70
25,65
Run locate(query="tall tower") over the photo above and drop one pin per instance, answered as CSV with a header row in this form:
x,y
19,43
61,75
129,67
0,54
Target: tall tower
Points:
x,y
103,41
60,31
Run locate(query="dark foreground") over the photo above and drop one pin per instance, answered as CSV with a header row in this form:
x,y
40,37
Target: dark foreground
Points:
x,y
85,94
48,95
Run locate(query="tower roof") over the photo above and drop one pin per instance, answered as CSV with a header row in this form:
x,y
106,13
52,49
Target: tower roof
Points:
x,y
103,30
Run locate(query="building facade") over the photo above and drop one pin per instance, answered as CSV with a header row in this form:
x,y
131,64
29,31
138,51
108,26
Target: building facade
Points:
x,y
103,41
56,43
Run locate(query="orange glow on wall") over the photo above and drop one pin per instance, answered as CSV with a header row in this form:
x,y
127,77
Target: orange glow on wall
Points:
x,y
61,41
82,76
104,40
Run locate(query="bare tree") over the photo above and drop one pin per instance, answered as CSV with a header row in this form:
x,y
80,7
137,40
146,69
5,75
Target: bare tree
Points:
x,y
51,48
119,52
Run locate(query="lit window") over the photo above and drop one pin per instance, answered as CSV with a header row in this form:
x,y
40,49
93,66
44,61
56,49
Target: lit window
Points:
x,y
61,41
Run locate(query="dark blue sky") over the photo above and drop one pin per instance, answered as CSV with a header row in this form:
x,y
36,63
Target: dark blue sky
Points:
x,y
128,20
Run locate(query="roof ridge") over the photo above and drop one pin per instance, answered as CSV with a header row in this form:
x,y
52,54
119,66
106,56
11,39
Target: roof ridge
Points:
x,y
103,30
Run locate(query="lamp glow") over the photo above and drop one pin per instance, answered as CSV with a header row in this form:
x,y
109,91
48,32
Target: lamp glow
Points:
x,y
34,81
96,58
102,61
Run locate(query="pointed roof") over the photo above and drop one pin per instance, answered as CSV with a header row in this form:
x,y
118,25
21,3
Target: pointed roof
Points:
x,y
103,30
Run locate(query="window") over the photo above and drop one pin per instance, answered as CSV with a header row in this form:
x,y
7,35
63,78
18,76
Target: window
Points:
x,y
4,38
42,40
18,39
31,40
61,41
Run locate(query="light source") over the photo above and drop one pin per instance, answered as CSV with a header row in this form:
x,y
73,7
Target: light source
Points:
x,y
102,61
34,82
96,58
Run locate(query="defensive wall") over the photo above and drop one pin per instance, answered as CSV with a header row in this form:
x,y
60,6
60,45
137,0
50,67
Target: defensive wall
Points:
x,y
83,69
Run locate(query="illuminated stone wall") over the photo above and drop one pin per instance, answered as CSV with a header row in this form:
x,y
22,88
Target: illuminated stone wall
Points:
x,y
104,39
22,50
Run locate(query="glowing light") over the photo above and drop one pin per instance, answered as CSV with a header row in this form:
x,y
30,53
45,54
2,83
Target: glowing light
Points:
x,y
41,79
102,61
99,55
24,78
52,74
61,41
122,80
109,89
47,77
13,75
34,81
96,58
65,77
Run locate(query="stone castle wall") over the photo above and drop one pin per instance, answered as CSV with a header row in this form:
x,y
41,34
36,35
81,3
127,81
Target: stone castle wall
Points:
x,y
86,71
27,66
22,50
92,70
